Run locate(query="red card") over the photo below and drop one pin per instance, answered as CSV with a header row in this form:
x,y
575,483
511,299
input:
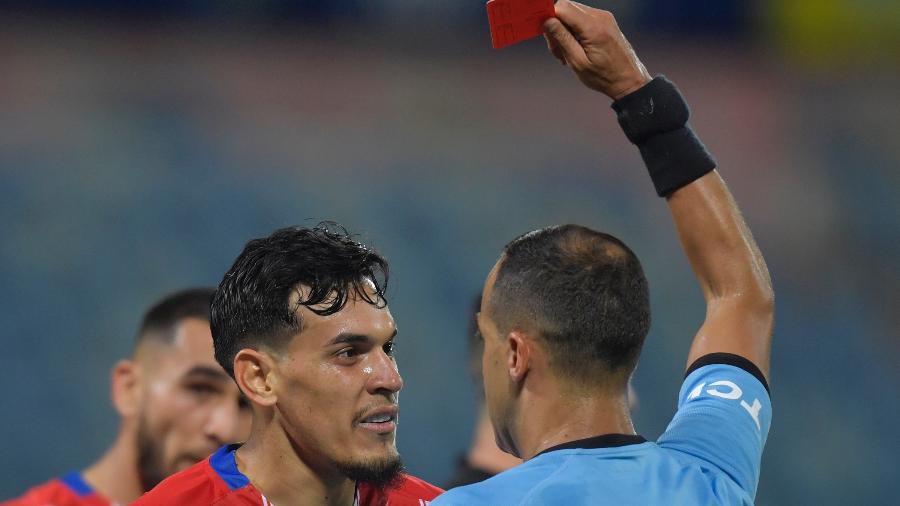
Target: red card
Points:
x,y
517,20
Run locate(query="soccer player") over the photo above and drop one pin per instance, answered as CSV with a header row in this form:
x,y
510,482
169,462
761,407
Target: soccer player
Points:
x,y
565,311
301,324
177,405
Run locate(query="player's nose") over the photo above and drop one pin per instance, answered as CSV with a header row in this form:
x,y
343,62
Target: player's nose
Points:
x,y
384,375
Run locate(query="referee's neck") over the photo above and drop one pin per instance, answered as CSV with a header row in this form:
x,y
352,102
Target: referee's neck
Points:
x,y
544,421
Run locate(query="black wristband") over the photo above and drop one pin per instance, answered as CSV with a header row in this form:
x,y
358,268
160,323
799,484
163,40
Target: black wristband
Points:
x,y
655,119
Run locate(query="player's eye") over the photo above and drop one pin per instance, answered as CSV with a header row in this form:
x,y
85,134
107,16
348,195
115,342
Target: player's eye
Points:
x,y
478,335
347,353
202,389
389,348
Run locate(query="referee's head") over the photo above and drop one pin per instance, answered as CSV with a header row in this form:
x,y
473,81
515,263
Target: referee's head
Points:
x,y
566,302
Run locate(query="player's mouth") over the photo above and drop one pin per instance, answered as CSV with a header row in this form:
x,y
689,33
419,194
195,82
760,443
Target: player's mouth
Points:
x,y
380,420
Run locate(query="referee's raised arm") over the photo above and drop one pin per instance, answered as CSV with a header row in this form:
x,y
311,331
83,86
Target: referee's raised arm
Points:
x,y
725,258
731,271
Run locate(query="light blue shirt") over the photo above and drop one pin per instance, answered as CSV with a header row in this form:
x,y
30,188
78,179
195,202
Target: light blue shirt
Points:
x,y
709,454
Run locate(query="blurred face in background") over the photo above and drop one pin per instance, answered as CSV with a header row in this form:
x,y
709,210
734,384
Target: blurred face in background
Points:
x,y
187,406
337,387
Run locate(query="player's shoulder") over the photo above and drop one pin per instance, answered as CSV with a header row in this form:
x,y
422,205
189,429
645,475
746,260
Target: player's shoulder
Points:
x,y
417,487
407,491
68,490
49,492
195,485
214,481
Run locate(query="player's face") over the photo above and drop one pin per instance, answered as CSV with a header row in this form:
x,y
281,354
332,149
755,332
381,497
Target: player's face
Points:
x,y
190,406
494,373
337,387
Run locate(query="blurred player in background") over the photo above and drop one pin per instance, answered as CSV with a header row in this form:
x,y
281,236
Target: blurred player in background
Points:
x,y
301,324
176,405
565,311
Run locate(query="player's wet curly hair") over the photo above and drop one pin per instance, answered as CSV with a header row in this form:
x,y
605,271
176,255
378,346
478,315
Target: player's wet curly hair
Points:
x,y
252,308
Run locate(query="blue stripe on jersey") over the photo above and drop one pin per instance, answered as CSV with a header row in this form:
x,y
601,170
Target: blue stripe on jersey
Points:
x,y
76,484
225,466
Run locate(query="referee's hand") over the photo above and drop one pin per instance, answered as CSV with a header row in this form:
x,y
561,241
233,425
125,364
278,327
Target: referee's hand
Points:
x,y
589,42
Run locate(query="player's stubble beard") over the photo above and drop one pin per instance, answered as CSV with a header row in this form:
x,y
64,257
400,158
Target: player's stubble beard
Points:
x,y
150,458
380,473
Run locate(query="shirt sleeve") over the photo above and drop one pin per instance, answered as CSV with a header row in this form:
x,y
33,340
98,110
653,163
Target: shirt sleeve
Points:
x,y
723,418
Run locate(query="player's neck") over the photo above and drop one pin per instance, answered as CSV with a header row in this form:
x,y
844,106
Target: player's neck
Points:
x,y
115,476
551,420
272,464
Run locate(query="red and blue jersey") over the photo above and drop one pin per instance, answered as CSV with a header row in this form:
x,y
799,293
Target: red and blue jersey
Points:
x,y
217,480
67,490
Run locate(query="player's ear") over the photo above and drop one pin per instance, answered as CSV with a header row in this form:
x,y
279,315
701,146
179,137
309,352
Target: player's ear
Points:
x,y
125,387
519,358
253,372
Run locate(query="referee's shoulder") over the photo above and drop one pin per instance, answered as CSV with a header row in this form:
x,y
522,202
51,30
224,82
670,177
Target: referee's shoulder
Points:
x,y
459,495
502,488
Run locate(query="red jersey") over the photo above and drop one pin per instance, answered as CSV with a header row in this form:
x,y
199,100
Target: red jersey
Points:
x,y
217,480
68,490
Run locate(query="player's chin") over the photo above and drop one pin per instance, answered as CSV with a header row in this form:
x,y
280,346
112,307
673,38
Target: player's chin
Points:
x,y
380,469
376,448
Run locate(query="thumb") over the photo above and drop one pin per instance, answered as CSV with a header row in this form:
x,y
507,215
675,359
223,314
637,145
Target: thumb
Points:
x,y
563,44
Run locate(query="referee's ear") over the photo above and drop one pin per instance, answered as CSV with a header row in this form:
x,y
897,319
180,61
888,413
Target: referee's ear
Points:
x,y
519,355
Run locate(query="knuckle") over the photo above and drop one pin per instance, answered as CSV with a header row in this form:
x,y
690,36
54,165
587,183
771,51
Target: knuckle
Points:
x,y
598,34
579,65
565,38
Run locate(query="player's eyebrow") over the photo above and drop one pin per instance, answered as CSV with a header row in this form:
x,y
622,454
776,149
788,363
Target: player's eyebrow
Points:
x,y
207,372
350,338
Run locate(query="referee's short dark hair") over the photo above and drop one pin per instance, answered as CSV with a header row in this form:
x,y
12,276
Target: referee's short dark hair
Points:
x,y
160,320
582,292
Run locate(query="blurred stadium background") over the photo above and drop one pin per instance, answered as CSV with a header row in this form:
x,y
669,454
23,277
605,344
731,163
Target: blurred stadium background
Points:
x,y
142,143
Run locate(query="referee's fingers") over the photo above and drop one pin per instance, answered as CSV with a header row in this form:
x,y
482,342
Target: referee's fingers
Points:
x,y
555,49
563,44
575,16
